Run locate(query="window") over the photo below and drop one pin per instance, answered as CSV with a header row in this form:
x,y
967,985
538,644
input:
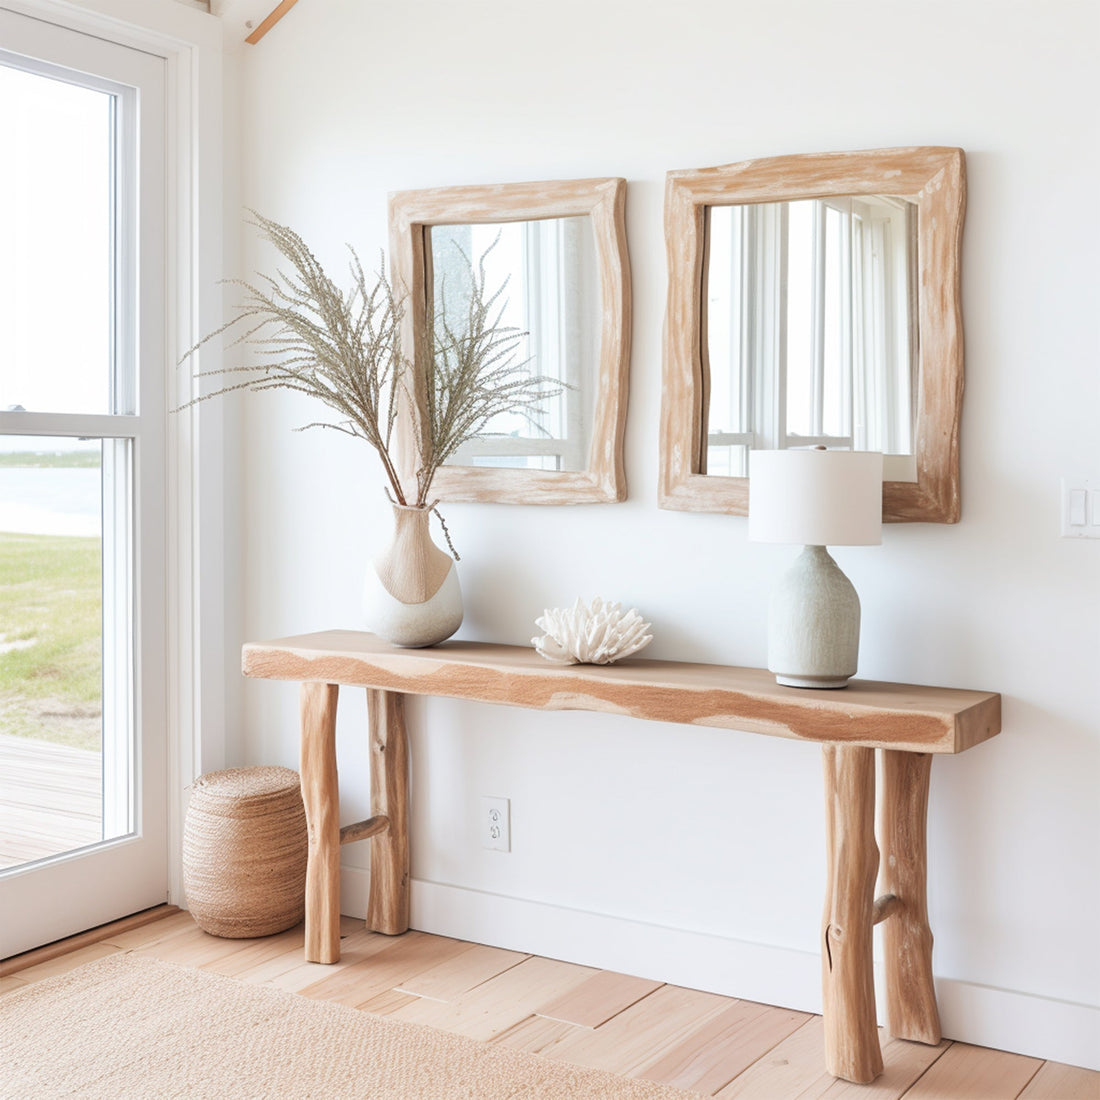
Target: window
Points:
x,y
83,696
811,327
546,272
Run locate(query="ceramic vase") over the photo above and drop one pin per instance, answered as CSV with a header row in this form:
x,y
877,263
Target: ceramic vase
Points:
x,y
411,596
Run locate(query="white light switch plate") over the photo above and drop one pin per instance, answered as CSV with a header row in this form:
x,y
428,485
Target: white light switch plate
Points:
x,y
1080,508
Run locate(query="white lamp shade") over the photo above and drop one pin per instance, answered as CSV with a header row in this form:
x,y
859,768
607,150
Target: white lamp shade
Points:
x,y
816,497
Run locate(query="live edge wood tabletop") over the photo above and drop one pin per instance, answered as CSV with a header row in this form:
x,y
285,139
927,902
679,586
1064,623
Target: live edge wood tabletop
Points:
x,y
908,723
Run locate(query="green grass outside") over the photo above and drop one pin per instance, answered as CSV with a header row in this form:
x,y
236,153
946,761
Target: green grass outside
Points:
x,y
50,638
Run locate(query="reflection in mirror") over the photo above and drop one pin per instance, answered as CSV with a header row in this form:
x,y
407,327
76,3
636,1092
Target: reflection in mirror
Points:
x,y
559,248
549,290
815,300
811,330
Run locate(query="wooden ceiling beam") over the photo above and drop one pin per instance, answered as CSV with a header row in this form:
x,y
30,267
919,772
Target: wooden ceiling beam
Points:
x,y
270,21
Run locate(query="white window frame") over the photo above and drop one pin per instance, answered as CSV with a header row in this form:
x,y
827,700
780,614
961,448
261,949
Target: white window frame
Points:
x,y
747,334
122,434
190,41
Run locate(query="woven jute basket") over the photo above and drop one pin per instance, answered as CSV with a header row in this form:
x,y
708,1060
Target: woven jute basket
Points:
x,y
244,852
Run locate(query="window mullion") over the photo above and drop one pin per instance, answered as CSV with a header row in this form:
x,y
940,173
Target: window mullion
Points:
x,y
847,383
80,425
778,328
748,307
125,291
119,763
817,373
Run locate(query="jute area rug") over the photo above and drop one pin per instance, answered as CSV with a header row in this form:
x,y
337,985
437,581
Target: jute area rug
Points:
x,y
127,1027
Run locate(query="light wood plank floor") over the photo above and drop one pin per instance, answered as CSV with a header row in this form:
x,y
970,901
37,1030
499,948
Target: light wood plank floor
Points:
x,y
50,799
711,1045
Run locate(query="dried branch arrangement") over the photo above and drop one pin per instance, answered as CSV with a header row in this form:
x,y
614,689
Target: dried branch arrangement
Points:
x,y
474,373
345,350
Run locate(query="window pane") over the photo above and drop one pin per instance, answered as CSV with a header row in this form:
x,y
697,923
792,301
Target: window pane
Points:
x,y
802,390
56,245
728,461
546,275
62,784
725,335
501,250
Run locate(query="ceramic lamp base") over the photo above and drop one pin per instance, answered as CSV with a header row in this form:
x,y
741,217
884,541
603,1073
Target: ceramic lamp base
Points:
x,y
811,681
813,624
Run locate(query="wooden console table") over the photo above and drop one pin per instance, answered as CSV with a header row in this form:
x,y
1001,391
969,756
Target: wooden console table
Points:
x,y
907,723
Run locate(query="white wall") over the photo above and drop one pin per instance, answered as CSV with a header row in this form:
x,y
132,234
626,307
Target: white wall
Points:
x,y
656,847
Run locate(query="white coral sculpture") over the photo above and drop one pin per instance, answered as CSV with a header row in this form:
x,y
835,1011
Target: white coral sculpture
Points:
x,y
595,635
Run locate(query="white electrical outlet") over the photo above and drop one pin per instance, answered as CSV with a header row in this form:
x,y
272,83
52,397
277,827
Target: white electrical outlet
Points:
x,y
496,826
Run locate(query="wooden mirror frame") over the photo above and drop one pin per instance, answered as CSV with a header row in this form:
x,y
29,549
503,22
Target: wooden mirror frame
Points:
x,y
412,213
934,178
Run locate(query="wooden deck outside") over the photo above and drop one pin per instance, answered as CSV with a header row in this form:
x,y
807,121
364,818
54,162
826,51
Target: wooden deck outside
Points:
x,y
51,799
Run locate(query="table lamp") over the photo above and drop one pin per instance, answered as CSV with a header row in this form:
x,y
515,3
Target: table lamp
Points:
x,y
816,498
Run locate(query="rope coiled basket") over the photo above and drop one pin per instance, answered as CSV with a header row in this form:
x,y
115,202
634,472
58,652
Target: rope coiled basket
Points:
x,y
244,852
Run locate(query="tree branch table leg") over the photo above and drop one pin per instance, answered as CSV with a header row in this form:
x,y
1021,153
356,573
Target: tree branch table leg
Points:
x,y
388,899
911,1011
321,795
851,1033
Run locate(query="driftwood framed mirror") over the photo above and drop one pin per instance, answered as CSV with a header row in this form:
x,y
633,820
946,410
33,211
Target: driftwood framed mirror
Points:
x,y
814,300
559,249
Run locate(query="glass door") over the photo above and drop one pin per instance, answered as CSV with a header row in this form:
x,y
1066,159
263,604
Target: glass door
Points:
x,y
83,708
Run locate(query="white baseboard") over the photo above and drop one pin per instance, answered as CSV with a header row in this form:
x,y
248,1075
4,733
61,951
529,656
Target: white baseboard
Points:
x,y
1041,1027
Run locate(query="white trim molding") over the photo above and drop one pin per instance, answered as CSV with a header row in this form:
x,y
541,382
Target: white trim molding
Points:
x,y
156,25
1004,1019
197,665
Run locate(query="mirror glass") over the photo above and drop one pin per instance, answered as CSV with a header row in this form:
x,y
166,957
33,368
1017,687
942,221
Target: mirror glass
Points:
x,y
549,292
811,330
